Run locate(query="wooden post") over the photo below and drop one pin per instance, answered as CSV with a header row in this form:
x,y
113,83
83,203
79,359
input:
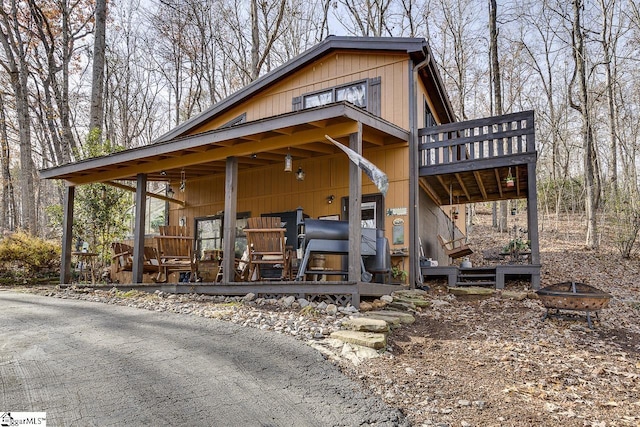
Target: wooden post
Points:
x,y
67,234
355,209
138,233
230,209
532,214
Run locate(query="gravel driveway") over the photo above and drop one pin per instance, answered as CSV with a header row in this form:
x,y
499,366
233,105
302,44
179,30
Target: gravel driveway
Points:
x,y
92,364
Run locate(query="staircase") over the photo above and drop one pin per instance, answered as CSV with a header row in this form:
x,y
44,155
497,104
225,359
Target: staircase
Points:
x,y
478,276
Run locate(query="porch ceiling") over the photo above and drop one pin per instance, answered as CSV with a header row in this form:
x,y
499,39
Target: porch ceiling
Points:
x,y
256,143
476,185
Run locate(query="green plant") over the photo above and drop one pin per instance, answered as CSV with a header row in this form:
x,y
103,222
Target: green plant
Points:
x,y
398,273
32,254
516,245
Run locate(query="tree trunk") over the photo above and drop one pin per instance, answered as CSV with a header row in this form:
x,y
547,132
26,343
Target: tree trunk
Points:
x,y
497,91
590,162
97,79
8,218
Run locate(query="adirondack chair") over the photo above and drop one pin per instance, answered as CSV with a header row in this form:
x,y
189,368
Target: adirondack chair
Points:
x,y
175,253
122,259
266,246
456,248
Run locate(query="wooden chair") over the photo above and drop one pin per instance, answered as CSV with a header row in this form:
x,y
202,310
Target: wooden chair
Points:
x,y
456,248
122,258
175,254
266,246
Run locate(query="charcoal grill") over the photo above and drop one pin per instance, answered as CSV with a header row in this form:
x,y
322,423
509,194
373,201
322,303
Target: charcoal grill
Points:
x,y
332,237
573,296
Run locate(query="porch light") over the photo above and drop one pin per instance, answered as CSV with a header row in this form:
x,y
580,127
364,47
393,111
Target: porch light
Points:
x,y
288,163
183,181
300,174
331,198
170,192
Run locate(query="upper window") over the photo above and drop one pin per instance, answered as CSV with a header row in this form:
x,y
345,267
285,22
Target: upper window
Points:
x,y
353,93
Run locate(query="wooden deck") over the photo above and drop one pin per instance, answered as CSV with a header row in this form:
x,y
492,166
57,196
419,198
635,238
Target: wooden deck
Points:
x,y
467,162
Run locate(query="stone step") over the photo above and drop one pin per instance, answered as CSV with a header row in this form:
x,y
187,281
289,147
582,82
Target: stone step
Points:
x,y
364,324
471,290
367,339
392,317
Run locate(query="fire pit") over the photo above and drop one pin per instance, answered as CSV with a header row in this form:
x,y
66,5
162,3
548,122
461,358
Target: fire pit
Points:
x,y
573,296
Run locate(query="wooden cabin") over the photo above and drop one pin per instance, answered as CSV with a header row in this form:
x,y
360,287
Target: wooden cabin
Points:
x,y
381,97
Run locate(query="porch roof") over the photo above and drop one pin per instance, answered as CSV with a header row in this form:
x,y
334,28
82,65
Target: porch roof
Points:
x,y
256,143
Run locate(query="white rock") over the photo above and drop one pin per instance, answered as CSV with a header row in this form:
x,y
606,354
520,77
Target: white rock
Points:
x,y
386,298
288,301
331,309
303,302
249,297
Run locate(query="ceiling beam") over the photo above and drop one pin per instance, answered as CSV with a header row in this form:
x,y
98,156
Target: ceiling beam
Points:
x,y
463,186
148,193
480,183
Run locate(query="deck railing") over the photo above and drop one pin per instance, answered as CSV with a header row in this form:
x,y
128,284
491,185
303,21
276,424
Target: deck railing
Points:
x,y
485,138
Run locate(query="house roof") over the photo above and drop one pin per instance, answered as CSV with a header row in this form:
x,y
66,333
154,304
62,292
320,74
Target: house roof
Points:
x,y
417,49
300,133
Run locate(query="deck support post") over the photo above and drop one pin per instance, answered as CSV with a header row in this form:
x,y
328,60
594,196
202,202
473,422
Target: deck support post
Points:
x,y
355,209
138,233
230,208
67,234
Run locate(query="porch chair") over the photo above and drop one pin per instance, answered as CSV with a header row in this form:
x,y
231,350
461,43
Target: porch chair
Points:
x,y
267,247
175,254
122,259
456,248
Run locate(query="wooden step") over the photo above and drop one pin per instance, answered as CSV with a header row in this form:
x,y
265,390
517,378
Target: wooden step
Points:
x,y
483,283
478,275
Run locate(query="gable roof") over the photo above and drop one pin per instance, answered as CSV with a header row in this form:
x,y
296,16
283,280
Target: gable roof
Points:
x,y
416,48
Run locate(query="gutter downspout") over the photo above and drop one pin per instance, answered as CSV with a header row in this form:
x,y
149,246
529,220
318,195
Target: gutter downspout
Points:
x,y
415,274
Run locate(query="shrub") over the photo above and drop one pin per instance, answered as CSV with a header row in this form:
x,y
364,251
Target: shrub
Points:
x,y
32,254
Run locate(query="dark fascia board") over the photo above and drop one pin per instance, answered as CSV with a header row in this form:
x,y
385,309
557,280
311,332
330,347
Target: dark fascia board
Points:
x,y
416,48
340,109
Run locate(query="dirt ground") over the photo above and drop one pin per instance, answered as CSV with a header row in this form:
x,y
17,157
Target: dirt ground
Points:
x,y
493,361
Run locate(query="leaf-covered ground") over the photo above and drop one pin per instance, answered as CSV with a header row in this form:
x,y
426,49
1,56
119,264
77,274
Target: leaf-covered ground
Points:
x,y
494,362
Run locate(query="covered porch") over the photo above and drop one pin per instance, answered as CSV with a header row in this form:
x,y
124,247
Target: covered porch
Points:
x,y
227,152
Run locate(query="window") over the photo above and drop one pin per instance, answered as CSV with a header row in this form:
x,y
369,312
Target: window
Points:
x,y
235,121
208,234
317,99
353,93
368,214
429,120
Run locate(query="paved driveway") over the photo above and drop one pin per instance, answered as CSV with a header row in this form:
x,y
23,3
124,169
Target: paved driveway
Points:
x,y
92,364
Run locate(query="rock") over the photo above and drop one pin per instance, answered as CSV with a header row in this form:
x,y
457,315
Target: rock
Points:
x,y
366,325
418,302
516,295
386,298
464,403
410,371
331,309
471,290
322,306
249,297
358,353
403,317
366,339
378,304
287,301
303,302
410,293
365,306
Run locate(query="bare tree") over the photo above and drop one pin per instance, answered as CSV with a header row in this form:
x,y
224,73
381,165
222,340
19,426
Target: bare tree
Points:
x,y
582,106
97,79
15,63
8,214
